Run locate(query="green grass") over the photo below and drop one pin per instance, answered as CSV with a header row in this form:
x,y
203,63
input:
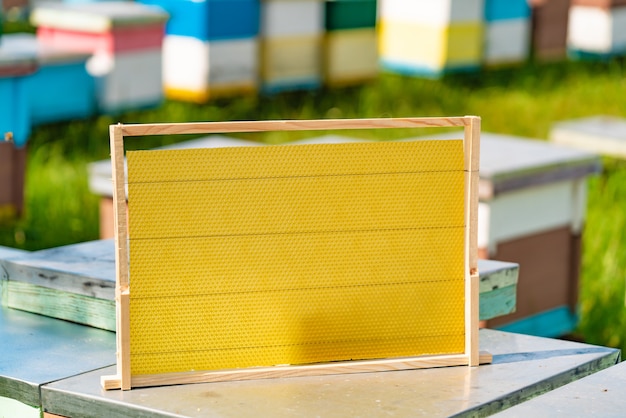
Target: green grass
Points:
x,y
603,312
523,101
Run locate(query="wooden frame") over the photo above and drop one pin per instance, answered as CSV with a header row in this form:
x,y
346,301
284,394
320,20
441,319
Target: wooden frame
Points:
x,y
471,356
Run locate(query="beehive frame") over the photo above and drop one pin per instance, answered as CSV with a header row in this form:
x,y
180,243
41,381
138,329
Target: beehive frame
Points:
x,y
470,355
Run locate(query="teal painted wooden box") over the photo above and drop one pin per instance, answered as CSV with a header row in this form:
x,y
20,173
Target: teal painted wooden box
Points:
x,y
14,109
350,14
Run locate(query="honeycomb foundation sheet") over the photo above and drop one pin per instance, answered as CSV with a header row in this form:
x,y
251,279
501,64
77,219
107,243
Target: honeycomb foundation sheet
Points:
x,y
262,256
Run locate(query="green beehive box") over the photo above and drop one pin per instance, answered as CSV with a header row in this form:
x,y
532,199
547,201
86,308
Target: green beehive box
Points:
x,y
350,14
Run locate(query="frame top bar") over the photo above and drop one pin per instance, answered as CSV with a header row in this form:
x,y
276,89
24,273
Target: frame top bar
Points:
x,y
289,125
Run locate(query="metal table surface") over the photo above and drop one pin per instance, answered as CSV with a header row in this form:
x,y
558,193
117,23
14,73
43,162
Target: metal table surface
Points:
x,y
600,395
523,367
35,350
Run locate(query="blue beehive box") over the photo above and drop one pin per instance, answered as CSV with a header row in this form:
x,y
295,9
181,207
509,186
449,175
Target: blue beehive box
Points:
x,y
507,32
506,9
210,20
15,66
61,88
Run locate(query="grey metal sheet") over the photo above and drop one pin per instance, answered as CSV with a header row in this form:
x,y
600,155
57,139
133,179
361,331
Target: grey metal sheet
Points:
x,y
35,350
598,395
523,367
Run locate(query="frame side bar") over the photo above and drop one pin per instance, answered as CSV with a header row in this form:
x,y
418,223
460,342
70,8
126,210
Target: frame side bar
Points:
x,y
289,125
121,254
472,154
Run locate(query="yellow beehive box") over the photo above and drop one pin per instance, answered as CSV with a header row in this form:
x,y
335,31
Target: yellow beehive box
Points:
x,y
351,56
291,63
233,263
430,50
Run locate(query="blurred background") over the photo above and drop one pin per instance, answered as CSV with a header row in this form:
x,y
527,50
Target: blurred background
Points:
x,y
547,78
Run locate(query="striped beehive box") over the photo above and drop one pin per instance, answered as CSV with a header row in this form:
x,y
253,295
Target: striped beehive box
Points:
x,y
351,44
533,198
597,28
507,31
210,48
549,28
61,88
15,65
125,40
428,38
291,44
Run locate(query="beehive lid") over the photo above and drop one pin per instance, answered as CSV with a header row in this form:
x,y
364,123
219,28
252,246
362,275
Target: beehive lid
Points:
x,y
601,134
27,43
96,17
14,62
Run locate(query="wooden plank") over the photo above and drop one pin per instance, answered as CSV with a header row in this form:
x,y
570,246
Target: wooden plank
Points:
x,y
348,367
496,274
287,125
98,313
86,269
121,256
498,302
